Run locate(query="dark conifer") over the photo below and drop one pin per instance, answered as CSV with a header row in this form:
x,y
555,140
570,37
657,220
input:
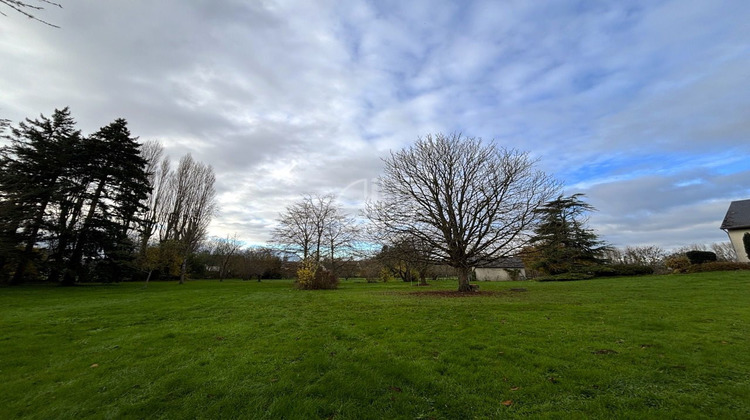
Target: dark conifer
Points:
x,y
562,243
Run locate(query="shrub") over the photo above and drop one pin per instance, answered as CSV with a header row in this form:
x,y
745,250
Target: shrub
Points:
x,y
385,275
700,257
566,277
631,269
677,263
603,271
513,273
311,276
717,266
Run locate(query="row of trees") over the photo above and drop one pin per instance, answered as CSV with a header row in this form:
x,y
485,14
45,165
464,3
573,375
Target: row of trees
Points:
x,y
103,206
77,207
445,201
459,202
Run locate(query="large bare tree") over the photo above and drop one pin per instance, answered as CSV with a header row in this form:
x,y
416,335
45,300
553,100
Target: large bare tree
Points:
x,y
467,200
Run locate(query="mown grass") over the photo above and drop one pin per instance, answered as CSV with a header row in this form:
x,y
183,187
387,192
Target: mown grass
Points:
x,y
648,347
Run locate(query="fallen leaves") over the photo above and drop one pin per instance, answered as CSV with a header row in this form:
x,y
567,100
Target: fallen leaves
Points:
x,y
507,403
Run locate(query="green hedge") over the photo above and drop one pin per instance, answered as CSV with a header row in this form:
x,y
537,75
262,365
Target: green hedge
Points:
x,y
566,277
700,257
613,270
620,270
717,266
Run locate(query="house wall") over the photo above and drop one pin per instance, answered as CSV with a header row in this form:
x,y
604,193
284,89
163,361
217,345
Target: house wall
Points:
x,y
735,236
497,274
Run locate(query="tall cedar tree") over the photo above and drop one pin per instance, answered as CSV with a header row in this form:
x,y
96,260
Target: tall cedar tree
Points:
x,y
118,184
562,243
33,168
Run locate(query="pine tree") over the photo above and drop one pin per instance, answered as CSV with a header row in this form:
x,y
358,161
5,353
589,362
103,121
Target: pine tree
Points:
x,y
562,242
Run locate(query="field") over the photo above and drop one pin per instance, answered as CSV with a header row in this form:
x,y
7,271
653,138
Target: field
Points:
x,y
648,347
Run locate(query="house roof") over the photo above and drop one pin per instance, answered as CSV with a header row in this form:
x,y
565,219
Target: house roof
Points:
x,y
738,215
508,262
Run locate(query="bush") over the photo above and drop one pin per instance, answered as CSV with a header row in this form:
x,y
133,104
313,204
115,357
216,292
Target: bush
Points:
x,y
717,266
626,270
700,257
311,276
566,277
677,263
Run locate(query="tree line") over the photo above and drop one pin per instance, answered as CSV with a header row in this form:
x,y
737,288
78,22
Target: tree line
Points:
x,y
97,207
104,207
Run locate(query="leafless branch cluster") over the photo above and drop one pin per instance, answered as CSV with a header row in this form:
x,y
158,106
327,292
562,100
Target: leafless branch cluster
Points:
x,y
224,250
27,9
316,228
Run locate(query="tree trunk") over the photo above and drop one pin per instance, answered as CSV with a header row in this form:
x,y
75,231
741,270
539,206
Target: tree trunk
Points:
x,y
76,259
463,280
183,270
148,278
28,251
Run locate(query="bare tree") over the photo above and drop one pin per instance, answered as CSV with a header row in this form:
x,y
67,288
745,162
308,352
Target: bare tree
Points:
x,y
650,255
340,234
724,251
257,262
406,259
158,169
28,9
315,228
224,249
191,204
468,201
296,231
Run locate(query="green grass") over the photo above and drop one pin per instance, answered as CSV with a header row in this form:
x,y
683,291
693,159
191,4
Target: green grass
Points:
x,y
648,347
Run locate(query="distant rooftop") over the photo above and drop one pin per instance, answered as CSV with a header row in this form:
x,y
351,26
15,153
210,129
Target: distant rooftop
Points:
x,y
508,262
738,215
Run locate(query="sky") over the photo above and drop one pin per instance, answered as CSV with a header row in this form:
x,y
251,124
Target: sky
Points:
x,y
643,106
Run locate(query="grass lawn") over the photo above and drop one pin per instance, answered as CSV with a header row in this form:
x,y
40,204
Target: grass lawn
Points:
x,y
649,347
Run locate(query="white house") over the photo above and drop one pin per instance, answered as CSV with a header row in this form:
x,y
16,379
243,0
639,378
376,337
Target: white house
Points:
x,y
503,269
736,224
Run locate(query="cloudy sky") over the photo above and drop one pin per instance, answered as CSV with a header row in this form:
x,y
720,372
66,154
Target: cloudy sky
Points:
x,y
644,106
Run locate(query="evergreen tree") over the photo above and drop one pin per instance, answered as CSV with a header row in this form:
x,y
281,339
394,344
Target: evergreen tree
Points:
x,y
746,243
118,185
32,168
562,242
69,198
